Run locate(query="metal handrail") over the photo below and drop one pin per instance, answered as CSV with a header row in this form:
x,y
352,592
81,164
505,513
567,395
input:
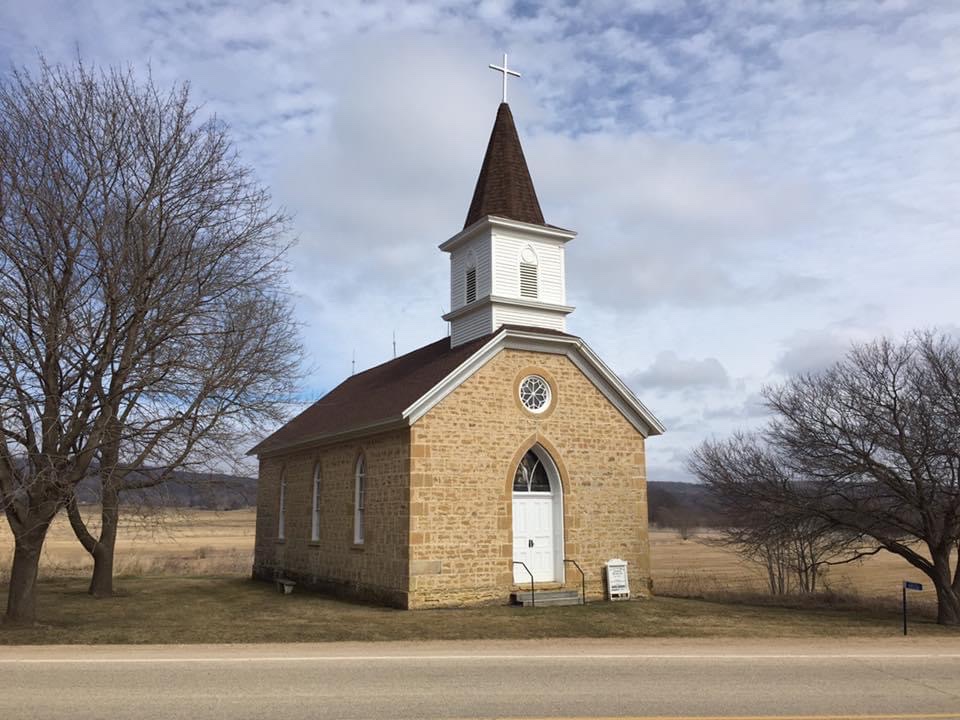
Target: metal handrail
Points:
x,y
533,599
583,580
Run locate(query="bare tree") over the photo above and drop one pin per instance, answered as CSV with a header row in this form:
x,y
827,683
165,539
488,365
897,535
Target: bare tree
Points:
x,y
879,437
144,320
682,519
747,480
873,447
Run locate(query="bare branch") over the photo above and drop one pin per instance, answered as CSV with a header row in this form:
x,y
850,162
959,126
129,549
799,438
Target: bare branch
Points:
x,y
144,317
869,448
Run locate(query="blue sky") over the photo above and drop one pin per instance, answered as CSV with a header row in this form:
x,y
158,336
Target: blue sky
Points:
x,y
756,184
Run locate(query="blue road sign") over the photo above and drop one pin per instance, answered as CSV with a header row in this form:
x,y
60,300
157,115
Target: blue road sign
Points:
x,y
912,585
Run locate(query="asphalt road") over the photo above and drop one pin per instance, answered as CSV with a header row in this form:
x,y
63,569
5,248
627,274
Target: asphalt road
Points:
x,y
903,680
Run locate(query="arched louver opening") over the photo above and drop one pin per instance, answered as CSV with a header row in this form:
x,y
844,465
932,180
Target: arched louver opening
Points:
x,y
528,274
471,285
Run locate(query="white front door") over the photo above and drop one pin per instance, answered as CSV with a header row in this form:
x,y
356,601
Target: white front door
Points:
x,y
533,540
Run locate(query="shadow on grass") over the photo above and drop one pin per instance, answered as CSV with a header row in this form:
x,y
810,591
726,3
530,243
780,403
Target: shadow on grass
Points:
x,y
239,610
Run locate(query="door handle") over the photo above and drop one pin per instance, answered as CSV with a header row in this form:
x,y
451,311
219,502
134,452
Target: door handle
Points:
x,y
529,543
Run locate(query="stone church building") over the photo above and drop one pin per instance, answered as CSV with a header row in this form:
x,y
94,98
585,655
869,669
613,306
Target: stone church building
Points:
x,y
449,475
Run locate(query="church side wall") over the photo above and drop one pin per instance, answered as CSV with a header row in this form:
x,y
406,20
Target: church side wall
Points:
x,y
377,569
463,456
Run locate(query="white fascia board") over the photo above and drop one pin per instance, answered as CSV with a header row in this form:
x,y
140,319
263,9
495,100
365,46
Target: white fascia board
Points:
x,y
574,348
495,222
533,304
466,309
468,233
607,381
452,381
516,302
655,426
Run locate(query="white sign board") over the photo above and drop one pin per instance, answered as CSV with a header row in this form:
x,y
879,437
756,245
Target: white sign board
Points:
x,y
618,587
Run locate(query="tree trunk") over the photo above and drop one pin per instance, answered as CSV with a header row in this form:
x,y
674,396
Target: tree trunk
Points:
x,y
771,578
948,605
101,583
22,593
102,548
948,600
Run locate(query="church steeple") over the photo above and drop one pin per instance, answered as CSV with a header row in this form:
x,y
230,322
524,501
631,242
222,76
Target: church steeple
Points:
x,y
504,187
507,265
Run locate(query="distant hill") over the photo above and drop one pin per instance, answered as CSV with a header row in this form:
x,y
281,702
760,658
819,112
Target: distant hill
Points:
x,y
671,504
681,505
205,491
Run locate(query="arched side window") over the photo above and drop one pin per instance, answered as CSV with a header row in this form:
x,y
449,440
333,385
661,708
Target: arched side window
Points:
x,y
528,274
282,513
531,475
315,512
359,498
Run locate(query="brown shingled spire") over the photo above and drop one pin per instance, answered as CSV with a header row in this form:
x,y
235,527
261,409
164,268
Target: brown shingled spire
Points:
x,y
504,187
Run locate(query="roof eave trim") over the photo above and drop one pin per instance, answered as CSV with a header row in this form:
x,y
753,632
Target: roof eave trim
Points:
x,y
434,395
496,221
653,424
573,347
656,427
392,423
515,302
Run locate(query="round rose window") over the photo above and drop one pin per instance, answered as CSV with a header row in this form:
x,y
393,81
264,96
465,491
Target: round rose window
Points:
x,y
535,393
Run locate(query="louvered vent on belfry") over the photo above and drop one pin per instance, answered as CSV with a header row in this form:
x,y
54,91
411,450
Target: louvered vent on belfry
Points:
x,y
471,285
528,273
528,280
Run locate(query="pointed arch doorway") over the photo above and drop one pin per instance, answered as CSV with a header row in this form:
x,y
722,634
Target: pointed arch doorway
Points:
x,y
537,518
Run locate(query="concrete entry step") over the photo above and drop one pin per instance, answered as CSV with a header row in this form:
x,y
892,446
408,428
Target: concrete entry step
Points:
x,y
546,597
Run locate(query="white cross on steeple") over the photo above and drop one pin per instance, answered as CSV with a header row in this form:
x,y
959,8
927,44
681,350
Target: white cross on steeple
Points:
x,y
506,71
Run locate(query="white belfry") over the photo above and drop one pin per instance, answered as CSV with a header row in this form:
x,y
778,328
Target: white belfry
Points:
x,y
506,71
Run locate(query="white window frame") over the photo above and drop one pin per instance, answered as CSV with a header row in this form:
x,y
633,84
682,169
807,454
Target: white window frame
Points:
x,y
282,514
315,510
529,274
359,498
526,396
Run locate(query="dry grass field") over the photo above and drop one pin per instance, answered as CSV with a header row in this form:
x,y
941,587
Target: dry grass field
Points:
x,y
182,577
697,568
236,610
169,542
198,542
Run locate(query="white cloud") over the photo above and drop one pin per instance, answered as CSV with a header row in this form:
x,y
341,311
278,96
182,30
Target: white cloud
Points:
x,y
759,181
812,351
753,408
669,372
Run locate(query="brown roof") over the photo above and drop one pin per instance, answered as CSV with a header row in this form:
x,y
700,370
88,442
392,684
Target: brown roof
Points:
x,y
380,394
376,395
504,187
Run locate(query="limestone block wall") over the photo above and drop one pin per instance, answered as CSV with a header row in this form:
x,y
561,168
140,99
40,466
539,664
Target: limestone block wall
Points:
x,y
375,570
463,456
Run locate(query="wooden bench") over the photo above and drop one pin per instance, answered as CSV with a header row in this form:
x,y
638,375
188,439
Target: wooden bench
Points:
x,y
285,585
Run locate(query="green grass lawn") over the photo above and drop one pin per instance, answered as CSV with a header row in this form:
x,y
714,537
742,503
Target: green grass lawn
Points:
x,y
235,610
